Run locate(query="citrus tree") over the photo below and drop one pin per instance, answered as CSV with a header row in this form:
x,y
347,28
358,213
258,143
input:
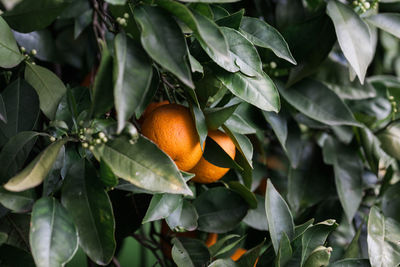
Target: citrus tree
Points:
x,y
213,132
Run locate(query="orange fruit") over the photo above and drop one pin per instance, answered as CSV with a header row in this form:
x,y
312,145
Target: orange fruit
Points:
x,y
207,172
150,108
172,128
211,239
239,253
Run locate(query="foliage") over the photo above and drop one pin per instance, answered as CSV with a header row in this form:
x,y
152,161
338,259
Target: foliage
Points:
x,y
307,91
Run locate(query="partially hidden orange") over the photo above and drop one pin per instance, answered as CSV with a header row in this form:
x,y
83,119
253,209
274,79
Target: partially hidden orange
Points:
x,y
207,172
172,128
239,253
211,239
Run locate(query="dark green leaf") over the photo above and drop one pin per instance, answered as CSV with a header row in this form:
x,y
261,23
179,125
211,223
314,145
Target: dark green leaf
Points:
x,y
215,117
242,144
9,52
383,237
15,152
245,193
264,35
351,30
220,210
353,250
53,235
279,218
17,202
26,17
161,206
16,226
319,103
132,74
41,41
3,113
107,176
22,108
216,155
201,125
142,164
90,207
319,257
184,217
102,87
285,251
232,21
47,85
250,258
259,91
37,170
351,263
157,27
239,125
257,218
225,244
189,252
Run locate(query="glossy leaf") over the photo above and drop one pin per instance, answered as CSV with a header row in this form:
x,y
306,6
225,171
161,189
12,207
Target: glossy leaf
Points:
x,y
243,52
183,217
383,236
232,21
216,155
90,207
225,244
189,252
15,152
220,210
257,218
22,108
223,263
351,30
25,17
390,140
242,144
107,176
217,116
264,35
102,87
161,206
9,52
53,237
173,56
389,22
37,170
259,91
42,41
285,251
201,123
319,103
142,164
17,202
3,113
319,257
48,86
132,75
279,218
239,125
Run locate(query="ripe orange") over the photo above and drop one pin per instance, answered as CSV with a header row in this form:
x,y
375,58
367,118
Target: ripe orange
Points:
x,y
205,171
211,239
239,253
172,128
151,107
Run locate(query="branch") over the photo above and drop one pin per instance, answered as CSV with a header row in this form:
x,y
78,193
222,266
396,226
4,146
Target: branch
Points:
x,y
154,250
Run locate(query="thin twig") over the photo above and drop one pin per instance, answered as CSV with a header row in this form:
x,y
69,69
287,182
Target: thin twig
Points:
x,y
386,126
154,250
116,262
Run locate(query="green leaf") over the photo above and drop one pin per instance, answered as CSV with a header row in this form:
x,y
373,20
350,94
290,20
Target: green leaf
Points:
x,y
351,263
16,226
53,237
239,125
132,74
48,86
161,206
243,52
15,152
352,31
264,35
183,217
22,108
319,257
348,169
142,164
107,176
353,250
390,140
315,100
164,42
389,22
285,251
280,220
257,218
225,244
42,41
220,210
116,2
9,52
37,170
250,258
17,202
242,144
102,100
245,193
215,117
223,263
206,32
3,113
90,207
200,121
259,91
25,17
189,252
314,237
232,21
383,237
